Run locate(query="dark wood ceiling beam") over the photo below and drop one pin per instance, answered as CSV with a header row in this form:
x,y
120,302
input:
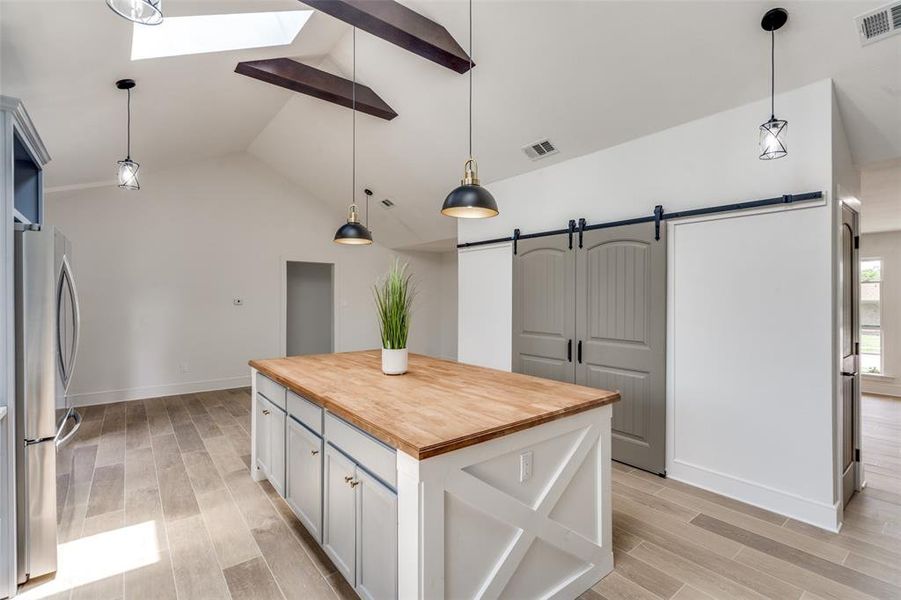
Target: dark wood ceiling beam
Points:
x,y
311,81
399,25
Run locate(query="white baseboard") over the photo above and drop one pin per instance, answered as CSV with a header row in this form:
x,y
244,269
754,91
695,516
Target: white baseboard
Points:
x,y
870,386
156,391
822,515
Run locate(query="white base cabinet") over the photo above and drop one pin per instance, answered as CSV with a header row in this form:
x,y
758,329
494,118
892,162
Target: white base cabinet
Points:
x,y
269,442
303,486
376,538
339,532
360,527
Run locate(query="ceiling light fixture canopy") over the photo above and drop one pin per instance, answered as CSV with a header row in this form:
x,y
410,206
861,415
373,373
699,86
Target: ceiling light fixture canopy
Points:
x,y
354,233
470,200
128,169
773,133
144,12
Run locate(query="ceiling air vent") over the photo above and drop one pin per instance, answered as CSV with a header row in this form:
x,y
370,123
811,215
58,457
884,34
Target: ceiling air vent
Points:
x,y
879,24
540,149
387,203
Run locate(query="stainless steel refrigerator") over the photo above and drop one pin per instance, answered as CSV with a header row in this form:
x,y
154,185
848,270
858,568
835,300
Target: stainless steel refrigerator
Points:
x,y
47,324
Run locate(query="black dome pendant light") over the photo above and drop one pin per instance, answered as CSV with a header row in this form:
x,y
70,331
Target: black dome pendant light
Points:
x,y
470,200
128,169
354,233
774,132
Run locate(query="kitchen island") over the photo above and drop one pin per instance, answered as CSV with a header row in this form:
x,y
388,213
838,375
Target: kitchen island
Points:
x,y
451,481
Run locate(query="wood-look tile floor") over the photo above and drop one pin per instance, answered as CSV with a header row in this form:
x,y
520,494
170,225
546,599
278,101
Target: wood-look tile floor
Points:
x,y
156,501
672,540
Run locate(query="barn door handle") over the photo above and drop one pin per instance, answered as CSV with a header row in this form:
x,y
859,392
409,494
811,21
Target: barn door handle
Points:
x,y
579,352
569,350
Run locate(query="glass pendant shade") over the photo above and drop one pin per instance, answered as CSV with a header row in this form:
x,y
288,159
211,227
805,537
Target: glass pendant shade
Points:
x,y
470,200
128,174
353,233
145,12
773,138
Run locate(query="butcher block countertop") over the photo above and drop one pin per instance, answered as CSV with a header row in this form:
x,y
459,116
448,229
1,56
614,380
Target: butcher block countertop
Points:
x,y
438,406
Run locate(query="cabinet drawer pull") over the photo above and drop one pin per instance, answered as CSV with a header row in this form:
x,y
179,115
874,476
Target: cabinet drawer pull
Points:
x,y
314,452
265,411
348,478
354,483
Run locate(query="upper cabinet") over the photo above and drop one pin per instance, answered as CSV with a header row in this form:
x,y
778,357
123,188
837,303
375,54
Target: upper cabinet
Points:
x,y
23,157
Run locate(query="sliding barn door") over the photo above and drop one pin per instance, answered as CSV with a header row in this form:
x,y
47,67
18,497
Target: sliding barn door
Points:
x,y
544,308
621,326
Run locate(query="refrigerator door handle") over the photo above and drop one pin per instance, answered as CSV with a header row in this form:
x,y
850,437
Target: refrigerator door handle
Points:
x,y
67,279
62,441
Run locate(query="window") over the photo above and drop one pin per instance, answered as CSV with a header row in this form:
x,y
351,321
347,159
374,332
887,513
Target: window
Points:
x,y
871,316
177,36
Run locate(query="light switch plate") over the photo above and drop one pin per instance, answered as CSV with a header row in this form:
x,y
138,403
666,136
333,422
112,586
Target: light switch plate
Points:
x,y
525,466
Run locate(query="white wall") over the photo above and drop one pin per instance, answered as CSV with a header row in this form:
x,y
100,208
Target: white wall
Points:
x,y
887,246
784,463
157,271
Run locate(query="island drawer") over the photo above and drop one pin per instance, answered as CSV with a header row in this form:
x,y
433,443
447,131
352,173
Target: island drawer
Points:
x,y
272,391
367,451
305,411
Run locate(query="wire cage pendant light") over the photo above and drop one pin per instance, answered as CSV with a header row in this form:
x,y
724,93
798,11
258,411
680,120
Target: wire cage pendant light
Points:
x,y
144,12
354,233
774,133
127,168
470,200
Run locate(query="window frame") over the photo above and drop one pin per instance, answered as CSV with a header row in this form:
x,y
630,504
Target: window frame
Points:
x,y
881,283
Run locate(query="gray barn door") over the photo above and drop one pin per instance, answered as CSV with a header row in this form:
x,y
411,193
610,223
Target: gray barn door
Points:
x,y
544,308
621,327
850,331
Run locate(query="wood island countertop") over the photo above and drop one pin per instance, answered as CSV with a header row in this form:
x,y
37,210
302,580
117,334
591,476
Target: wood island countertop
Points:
x,y
436,407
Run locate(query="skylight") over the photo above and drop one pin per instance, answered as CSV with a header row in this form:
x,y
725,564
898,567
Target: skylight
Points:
x,y
178,36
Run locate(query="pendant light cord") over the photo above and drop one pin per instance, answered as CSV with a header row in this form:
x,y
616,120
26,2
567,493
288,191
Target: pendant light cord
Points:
x,y
353,176
128,127
772,74
470,79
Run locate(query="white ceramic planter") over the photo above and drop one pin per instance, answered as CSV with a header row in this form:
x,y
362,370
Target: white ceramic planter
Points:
x,y
394,362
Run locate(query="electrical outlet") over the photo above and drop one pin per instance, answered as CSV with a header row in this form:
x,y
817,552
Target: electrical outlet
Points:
x,y
525,466
238,302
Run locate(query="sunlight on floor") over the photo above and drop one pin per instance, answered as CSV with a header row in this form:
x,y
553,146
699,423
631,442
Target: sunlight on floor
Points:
x,y
97,557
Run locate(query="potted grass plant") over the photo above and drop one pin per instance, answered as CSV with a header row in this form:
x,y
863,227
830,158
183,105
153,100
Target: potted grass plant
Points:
x,y
394,304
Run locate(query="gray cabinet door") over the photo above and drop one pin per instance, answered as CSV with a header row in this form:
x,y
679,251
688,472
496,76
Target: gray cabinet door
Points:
x,y
339,524
277,448
303,488
264,410
543,308
850,345
376,539
621,326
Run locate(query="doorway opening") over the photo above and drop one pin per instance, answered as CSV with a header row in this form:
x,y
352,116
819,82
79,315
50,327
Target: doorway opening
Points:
x,y
309,308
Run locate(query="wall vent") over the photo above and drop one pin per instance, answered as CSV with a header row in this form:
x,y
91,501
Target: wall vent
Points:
x,y
879,24
540,149
387,203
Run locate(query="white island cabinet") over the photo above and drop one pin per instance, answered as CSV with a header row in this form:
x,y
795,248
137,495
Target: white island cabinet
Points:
x,y
451,481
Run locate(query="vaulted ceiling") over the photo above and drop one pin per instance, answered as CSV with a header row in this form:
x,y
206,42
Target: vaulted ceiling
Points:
x,y
587,75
